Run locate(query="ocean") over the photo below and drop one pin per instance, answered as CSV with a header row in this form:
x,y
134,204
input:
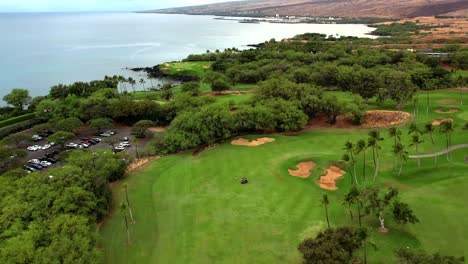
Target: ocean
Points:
x,y
39,50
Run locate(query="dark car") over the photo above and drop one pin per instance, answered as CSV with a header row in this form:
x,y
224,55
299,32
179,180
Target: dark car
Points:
x,y
29,168
36,166
51,160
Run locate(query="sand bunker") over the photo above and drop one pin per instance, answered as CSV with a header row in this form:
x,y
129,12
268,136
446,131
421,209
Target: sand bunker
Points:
x,y
328,181
254,143
438,122
304,169
451,111
446,102
385,118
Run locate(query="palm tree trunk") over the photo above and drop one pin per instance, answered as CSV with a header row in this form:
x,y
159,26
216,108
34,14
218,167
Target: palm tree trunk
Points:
x,y
326,212
359,213
427,105
128,230
354,167
447,145
401,167
417,153
377,164
129,207
350,212
433,149
364,169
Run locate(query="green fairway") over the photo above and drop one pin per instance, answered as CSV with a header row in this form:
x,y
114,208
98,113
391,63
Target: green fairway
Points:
x,y
186,68
194,210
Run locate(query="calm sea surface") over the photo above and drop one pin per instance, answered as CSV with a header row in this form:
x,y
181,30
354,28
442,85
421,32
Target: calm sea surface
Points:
x,y
41,50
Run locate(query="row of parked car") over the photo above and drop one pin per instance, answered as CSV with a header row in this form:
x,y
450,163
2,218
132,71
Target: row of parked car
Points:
x,y
43,162
39,148
85,143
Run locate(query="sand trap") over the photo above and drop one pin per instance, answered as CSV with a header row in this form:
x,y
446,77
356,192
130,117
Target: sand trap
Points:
x,y
438,122
451,111
254,143
304,170
446,102
385,118
328,181
139,163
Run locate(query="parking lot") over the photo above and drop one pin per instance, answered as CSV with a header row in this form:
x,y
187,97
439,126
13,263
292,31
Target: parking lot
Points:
x,y
46,156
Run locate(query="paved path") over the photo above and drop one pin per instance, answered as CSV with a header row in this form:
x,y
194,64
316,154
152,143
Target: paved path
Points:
x,y
442,152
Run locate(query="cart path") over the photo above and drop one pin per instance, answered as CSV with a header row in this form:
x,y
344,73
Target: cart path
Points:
x,y
439,153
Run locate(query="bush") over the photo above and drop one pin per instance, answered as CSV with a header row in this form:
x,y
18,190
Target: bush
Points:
x,y
17,119
5,131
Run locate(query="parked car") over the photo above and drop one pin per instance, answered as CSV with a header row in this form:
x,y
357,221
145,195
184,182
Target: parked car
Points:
x,y
110,132
29,168
84,145
37,166
119,149
125,139
45,163
72,145
36,137
105,134
51,160
34,161
124,144
46,147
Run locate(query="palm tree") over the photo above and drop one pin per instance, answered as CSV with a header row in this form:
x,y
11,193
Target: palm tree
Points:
x,y
135,143
123,209
142,82
351,198
362,147
414,129
429,129
326,202
373,141
415,141
132,82
151,81
347,160
349,147
125,190
401,153
395,133
447,128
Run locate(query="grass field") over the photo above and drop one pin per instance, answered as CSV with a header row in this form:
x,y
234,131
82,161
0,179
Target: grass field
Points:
x,y
193,209
187,68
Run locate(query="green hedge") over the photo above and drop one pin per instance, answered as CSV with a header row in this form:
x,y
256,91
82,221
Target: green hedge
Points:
x,y
5,131
17,119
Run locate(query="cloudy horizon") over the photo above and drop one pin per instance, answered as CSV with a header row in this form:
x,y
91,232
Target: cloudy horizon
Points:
x,y
94,5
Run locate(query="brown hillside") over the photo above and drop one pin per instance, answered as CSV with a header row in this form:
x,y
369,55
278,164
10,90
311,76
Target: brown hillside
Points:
x,y
343,8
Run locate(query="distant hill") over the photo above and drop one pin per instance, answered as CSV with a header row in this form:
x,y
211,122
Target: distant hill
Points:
x,y
341,8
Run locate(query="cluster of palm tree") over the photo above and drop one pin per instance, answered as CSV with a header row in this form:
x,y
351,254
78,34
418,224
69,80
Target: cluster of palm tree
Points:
x,y
122,83
353,150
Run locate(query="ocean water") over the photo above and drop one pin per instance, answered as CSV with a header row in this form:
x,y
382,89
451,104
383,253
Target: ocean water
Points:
x,y
40,50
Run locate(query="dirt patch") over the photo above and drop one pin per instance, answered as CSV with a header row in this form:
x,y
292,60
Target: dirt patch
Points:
x,y
304,169
372,119
451,111
438,122
385,118
157,129
446,102
328,181
254,143
206,67
139,163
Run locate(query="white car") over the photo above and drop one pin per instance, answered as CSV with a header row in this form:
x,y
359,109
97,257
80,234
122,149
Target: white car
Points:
x,y
45,163
105,135
124,144
109,132
97,139
36,137
35,161
72,145
46,146
84,145
52,143
34,148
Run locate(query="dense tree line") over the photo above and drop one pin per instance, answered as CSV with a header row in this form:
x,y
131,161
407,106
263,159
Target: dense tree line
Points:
x,y
51,217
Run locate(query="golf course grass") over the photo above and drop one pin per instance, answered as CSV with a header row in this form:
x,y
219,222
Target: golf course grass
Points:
x,y
194,209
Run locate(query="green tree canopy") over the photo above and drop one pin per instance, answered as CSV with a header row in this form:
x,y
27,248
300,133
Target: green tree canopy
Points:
x,y
19,98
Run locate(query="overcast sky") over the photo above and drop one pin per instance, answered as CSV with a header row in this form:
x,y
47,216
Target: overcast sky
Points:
x,y
93,5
